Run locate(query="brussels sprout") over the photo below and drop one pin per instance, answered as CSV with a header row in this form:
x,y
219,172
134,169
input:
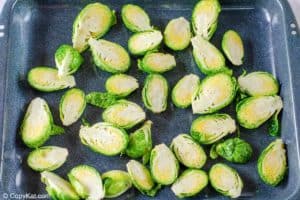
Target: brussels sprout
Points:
x,y
155,93
208,129
72,105
143,42
109,56
46,79
57,187
101,99
190,183
184,89
205,18
272,165
104,138
87,182
177,34
124,114
121,85
116,182
258,84
214,93
163,165
67,59
93,21
135,18
233,47
225,180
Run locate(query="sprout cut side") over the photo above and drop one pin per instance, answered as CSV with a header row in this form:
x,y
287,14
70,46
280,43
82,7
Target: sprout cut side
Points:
x,y
233,47
121,85
101,99
157,62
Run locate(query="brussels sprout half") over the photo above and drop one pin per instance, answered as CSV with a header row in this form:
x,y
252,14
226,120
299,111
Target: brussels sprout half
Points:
x,y
104,138
225,180
101,99
155,62
214,93
208,129
233,47
272,164
93,21
121,85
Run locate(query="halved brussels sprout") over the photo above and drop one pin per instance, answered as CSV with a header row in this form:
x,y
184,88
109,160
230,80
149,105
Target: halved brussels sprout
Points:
x,y
67,60
109,56
184,89
104,138
121,85
225,180
87,182
93,21
116,182
208,129
272,165
258,84
155,62
143,42
163,165
124,114
57,187
72,105
188,152
190,183
177,34
233,47
135,18
46,79
47,158
205,18
214,93
155,93
101,99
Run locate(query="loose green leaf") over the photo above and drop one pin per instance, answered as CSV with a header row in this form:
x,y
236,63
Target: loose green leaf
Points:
x,y
101,99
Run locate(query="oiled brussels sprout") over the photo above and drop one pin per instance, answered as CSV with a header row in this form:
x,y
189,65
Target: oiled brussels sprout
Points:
x,y
272,165
177,34
155,62
101,99
87,182
124,114
190,183
155,93
93,21
233,47
208,129
214,93
46,79
184,89
121,85
225,180
109,56
104,138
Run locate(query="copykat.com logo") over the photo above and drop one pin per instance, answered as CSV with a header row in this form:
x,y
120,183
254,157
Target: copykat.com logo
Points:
x,y
24,196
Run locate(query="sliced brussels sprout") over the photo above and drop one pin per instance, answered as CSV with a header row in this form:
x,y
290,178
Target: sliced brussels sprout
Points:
x,y
67,60
177,34
101,99
225,180
205,18
116,182
258,84
72,105
124,114
163,165
143,42
272,165
135,18
214,93
155,62
104,138
184,89
190,183
46,79
57,187
232,45
121,85
87,182
188,152
155,93
93,21
109,56
208,129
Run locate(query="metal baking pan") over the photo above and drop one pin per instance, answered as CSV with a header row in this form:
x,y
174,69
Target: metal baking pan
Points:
x,y
32,30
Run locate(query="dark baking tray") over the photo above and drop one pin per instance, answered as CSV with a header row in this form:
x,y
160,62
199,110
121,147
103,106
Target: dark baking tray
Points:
x,y
34,29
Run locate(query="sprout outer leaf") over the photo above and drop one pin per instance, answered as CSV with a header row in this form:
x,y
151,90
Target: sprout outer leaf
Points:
x,y
101,99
